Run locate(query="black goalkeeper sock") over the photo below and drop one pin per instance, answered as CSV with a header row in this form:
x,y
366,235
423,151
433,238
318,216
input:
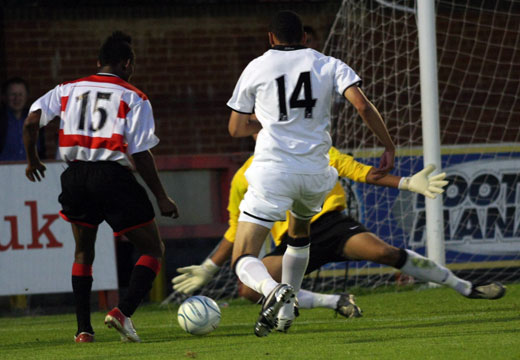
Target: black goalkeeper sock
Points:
x,y
403,256
81,287
141,280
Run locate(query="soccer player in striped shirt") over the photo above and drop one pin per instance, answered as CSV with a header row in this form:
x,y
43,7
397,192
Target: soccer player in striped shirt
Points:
x,y
105,124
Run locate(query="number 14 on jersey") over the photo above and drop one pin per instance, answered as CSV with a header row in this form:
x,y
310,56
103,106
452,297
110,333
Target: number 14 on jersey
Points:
x,y
304,81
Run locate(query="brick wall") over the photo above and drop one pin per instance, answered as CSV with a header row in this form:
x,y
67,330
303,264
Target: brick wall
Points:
x,y
188,58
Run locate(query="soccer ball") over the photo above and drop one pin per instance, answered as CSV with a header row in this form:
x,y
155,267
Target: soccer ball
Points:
x,y
198,315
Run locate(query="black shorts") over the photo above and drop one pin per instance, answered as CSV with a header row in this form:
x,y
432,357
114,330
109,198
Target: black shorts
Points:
x,y
328,237
104,190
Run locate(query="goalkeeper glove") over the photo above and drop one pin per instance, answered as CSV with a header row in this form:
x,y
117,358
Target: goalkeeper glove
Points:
x,y
194,277
421,184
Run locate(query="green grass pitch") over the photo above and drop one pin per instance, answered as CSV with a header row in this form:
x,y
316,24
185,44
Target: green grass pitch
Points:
x,y
417,324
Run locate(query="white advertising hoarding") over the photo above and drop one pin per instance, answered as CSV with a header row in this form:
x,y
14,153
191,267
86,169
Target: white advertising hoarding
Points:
x,y
36,244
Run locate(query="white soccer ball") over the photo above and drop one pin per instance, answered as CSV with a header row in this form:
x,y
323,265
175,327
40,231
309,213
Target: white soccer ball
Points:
x,y
198,315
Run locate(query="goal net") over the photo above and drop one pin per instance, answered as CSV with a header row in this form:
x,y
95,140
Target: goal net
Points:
x,y
478,67
478,54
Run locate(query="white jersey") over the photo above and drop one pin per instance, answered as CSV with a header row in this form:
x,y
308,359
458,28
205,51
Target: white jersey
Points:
x,y
103,118
290,89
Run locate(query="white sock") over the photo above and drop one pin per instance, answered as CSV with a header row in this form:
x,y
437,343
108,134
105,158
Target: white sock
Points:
x,y
294,264
253,273
308,300
425,269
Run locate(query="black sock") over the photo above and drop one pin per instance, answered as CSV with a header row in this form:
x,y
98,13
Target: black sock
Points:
x,y
81,286
140,284
298,242
403,256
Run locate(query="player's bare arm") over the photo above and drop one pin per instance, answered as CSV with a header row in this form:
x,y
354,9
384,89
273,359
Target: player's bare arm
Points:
x,y
375,122
35,169
242,125
145,166
222,253
387,180
420,182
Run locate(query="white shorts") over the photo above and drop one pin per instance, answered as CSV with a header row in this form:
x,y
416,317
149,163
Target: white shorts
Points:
x,y
272,192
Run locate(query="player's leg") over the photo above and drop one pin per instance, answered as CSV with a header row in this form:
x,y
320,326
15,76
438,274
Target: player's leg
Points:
x,y
367,246
294,263
261,206
148,243
128,210
84,217
343,304
249,269
306,299
273,265
263,203
312,191
253,273
85,238
426,269
296,256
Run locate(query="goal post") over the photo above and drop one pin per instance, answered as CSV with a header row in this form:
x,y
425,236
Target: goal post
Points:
x,y
430,123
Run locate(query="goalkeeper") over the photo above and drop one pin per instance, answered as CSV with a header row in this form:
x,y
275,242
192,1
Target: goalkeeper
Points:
x,y
337,237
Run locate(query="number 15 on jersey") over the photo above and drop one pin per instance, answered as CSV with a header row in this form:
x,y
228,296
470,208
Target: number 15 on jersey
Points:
x,y
99,109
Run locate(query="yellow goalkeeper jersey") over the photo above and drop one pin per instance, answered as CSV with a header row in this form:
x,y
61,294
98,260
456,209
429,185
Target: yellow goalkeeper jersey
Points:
x,y
335,200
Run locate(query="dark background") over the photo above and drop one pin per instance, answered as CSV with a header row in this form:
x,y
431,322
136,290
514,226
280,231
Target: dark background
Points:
x,y
189,55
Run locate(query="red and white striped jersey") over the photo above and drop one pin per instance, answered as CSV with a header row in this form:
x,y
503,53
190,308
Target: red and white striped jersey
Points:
x,y
103,118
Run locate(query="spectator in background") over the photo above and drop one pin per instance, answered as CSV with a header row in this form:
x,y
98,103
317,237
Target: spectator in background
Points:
x,y
13,112
313,40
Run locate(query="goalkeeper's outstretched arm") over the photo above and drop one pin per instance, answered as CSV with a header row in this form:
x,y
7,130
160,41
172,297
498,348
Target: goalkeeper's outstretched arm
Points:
x,y
222,253
194,277
420,183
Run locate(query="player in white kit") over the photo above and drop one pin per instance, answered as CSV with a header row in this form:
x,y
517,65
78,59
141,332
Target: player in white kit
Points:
x,y
290,90
105,121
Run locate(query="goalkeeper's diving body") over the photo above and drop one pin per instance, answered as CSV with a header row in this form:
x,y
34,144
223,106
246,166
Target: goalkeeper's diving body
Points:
x,y
337,237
